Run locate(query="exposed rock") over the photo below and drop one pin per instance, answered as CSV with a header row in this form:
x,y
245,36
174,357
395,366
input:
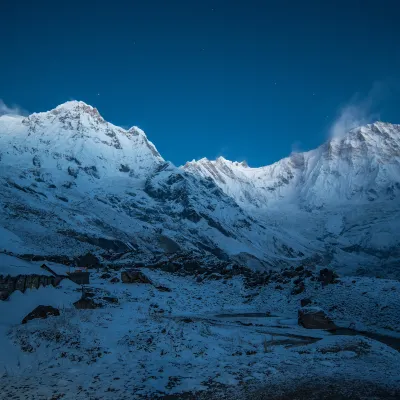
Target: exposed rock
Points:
x,y
305,302
89,260
105,276
4,295
41,312
298,289
134,276
289,273
327,276
314,318
110,299
163,289
115,280
214,276
86,304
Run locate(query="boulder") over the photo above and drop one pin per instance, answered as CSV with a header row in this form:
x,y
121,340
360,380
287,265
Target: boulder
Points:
x,y
298,289
314,318
327,276
110,299
86,304
134,276
305,302
4,295
89,260
163,289
41,312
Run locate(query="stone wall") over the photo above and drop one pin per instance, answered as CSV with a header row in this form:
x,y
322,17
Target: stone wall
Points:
x,y
9,284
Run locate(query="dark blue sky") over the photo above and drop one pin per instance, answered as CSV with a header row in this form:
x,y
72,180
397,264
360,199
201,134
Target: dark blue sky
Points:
x,y
243,79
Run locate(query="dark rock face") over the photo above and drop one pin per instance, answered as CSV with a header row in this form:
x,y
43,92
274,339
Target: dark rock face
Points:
x,y
124,168
88,261
314,318
327,276
113,300
134,276
298,289
4,295
41,312
86,304
305,302
9,284
163,289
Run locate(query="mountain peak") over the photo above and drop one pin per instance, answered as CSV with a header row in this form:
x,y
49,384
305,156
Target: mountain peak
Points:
x,y
72,105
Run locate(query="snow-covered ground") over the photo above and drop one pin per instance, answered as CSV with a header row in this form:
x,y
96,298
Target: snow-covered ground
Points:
x,y
214,335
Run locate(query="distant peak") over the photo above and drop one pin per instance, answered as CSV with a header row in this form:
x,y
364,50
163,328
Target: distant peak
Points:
x,y
72,104
77,106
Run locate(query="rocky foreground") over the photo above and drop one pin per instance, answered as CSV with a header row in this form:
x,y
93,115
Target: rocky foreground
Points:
x,y
179,329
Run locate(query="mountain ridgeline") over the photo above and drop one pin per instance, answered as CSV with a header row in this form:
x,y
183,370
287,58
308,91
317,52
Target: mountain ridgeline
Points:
x,y
72,182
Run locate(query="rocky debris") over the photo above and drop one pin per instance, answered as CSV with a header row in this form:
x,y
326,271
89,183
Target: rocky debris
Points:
x,y
105,276
64,260
314,318
134,276
298,289
89,260
86,303
163,289
8,284
327,276
115,280
41,312
4,295
305,302
109,299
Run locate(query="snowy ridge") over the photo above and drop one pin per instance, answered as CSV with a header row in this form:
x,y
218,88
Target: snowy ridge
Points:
x,y
362,166
72,182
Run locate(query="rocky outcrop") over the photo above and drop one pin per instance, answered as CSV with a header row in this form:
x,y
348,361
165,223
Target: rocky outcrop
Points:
x,y
134,276
86,303
89,260
327,276
41,312
8,284
314,318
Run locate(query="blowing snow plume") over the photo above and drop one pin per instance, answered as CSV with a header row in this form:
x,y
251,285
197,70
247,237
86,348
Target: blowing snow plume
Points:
x,y
359,111
13,110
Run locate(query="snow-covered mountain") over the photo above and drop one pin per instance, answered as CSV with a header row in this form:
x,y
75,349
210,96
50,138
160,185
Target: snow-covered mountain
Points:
x,y
363,166
72,182
344,195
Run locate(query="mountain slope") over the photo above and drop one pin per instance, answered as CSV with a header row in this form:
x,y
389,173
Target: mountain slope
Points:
x,y
343,196
72,182
361,167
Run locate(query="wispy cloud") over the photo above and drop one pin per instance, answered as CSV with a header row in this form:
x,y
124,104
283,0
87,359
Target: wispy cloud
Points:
x,y
297,147
11,110
359,110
